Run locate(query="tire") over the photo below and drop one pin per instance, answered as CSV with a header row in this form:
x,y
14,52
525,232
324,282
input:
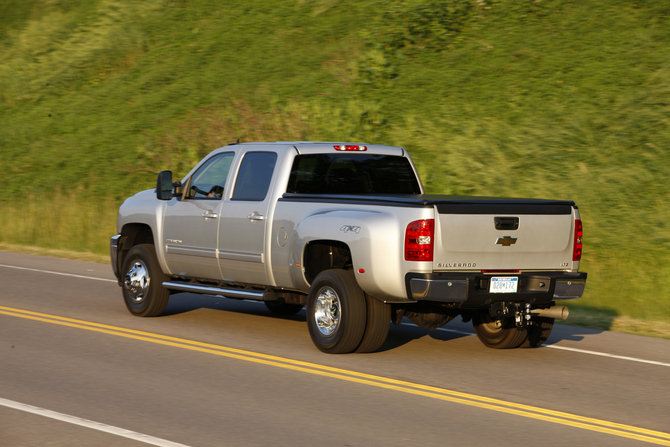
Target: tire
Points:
x,y
336,312
143,279
498,334
376,326
281,308
539,332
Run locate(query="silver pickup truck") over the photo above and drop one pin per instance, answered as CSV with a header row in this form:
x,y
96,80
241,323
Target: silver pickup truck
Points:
x,y
347,231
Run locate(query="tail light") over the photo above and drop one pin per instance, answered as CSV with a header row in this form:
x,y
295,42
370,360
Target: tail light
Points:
x,y
577,248
419,240
350,147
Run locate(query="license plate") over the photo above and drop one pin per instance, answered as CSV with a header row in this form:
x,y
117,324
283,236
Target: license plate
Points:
x,y
504,285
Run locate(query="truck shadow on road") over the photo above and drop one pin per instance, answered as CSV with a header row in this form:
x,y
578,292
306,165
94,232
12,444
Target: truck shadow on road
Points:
x,y
181,303
455,330
399,335
407,332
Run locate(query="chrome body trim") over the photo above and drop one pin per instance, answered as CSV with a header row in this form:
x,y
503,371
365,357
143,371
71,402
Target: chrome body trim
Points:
x,y
187,250
241,256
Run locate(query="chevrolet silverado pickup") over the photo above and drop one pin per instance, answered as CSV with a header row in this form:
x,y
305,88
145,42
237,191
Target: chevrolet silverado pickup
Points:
x,y
345,230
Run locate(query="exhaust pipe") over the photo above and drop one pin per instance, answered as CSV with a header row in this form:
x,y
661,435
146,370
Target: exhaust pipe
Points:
x,y
556,312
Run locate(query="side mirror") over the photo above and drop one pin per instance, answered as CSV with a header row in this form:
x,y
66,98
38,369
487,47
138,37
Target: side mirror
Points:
x,y
164,185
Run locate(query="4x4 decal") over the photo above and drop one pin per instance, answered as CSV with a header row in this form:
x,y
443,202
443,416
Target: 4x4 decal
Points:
x,y
348,228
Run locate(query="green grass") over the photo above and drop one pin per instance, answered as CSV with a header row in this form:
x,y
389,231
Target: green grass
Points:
x,y
551,99
60,222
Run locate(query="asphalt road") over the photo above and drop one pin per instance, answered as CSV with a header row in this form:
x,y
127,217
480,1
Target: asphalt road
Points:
x,y
77,369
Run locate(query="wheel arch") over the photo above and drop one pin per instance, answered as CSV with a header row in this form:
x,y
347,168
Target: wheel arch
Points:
x,y
324,254
133,234
327,238
370,240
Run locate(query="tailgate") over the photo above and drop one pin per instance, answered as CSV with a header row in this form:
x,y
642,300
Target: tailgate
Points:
x,y
500,236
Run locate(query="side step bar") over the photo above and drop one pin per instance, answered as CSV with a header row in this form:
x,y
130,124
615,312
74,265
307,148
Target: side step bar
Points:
x,y
242,294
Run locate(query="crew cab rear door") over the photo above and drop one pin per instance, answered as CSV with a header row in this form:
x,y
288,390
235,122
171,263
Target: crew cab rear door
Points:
x,y
245,215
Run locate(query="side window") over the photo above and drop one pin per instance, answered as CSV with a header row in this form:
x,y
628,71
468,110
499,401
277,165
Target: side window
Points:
x,y
210,179
255,175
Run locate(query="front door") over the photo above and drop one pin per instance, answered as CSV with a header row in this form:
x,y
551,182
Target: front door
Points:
x,y
191,224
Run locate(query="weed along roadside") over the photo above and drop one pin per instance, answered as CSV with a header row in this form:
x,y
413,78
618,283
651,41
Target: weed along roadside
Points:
x,y
494,98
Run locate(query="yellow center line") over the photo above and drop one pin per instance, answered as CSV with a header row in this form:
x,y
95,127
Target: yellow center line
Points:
x,y
557,417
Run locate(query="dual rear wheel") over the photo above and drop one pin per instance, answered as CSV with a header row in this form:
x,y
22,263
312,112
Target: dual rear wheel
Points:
x,y
341,318
503,334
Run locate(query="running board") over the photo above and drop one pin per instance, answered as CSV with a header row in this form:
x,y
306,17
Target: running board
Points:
x,y
241,294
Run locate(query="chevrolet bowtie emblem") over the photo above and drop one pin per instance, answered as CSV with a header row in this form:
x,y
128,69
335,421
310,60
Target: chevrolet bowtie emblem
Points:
x,y
506,241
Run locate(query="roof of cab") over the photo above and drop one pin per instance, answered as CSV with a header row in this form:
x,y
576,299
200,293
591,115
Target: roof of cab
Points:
x,y
311,147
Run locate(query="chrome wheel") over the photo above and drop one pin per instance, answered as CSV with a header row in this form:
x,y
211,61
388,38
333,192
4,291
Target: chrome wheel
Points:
x,y
142,282
336,312
327,311
137,281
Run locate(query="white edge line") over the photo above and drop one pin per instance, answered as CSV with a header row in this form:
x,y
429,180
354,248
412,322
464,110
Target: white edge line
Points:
x,y
90,424
57,273
602,354
581,351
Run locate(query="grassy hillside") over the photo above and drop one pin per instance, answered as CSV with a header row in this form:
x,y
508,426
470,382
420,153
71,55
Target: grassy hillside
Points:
x,y
541,98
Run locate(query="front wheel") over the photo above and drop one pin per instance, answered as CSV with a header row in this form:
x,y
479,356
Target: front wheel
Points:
x,y
498,334
143,289
336,312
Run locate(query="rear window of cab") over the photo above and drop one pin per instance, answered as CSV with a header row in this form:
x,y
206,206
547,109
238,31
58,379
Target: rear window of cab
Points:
x,y
352,173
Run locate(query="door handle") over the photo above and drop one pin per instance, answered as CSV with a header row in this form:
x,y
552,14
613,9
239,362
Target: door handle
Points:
x,y
210,215
255,216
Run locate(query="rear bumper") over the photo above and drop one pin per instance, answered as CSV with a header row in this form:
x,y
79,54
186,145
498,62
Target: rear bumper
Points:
x,y
472,289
